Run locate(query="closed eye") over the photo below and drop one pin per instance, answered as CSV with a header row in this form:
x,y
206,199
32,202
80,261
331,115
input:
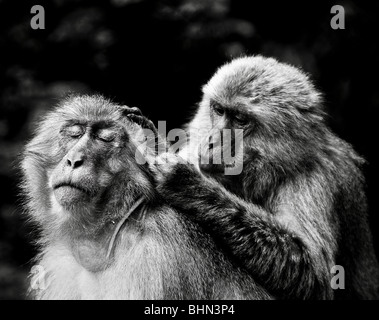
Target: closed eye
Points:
x,y
106,135
74,131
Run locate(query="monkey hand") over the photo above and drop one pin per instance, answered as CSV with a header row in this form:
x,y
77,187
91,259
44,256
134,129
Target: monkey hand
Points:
x,y
135,115
176,178
163,165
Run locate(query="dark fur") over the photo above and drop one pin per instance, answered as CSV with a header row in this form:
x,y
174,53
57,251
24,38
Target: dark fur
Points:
x,y
162,255
298,208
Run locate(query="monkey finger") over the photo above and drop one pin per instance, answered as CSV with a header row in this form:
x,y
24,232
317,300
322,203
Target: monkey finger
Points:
x,y
131,110
135,118
143,122
167,158
148,124
157,173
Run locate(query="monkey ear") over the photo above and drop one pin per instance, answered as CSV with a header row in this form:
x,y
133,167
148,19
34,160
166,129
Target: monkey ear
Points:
x,y
130,110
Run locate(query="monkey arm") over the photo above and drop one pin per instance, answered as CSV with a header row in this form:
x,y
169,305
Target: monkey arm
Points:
x,y
288,264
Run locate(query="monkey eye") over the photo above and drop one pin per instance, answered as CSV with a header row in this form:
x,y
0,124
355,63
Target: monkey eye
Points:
x,y
74,131
106,135
218,109
240,121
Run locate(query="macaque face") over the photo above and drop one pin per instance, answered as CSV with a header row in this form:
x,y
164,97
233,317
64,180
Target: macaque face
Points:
x,y
83,154
223,145
93,155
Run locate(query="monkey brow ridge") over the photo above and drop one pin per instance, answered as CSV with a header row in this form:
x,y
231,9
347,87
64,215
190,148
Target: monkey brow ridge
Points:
x,y
122,221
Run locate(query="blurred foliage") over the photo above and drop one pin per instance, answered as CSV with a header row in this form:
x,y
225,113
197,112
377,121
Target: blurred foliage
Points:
x,y
157,55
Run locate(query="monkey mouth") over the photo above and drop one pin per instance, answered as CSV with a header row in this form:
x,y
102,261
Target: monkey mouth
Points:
x,y
73,186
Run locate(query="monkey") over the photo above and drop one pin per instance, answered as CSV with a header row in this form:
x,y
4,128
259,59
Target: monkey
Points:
x,y
298,206
105,233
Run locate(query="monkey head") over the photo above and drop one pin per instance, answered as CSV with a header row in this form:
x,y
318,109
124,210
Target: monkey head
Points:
x,y
276,107
81,166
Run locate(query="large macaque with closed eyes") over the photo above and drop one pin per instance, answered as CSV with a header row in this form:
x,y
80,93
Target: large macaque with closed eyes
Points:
x,y
298,206
105,232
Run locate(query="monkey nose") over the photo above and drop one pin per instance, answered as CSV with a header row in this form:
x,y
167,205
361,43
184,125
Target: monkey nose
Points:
x,y
75,160
74,163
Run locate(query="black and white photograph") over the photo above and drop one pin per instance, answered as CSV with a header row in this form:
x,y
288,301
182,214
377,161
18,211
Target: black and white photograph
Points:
x,y
214,150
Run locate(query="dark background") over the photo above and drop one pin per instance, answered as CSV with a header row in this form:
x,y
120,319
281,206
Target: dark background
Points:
x,y
156,55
